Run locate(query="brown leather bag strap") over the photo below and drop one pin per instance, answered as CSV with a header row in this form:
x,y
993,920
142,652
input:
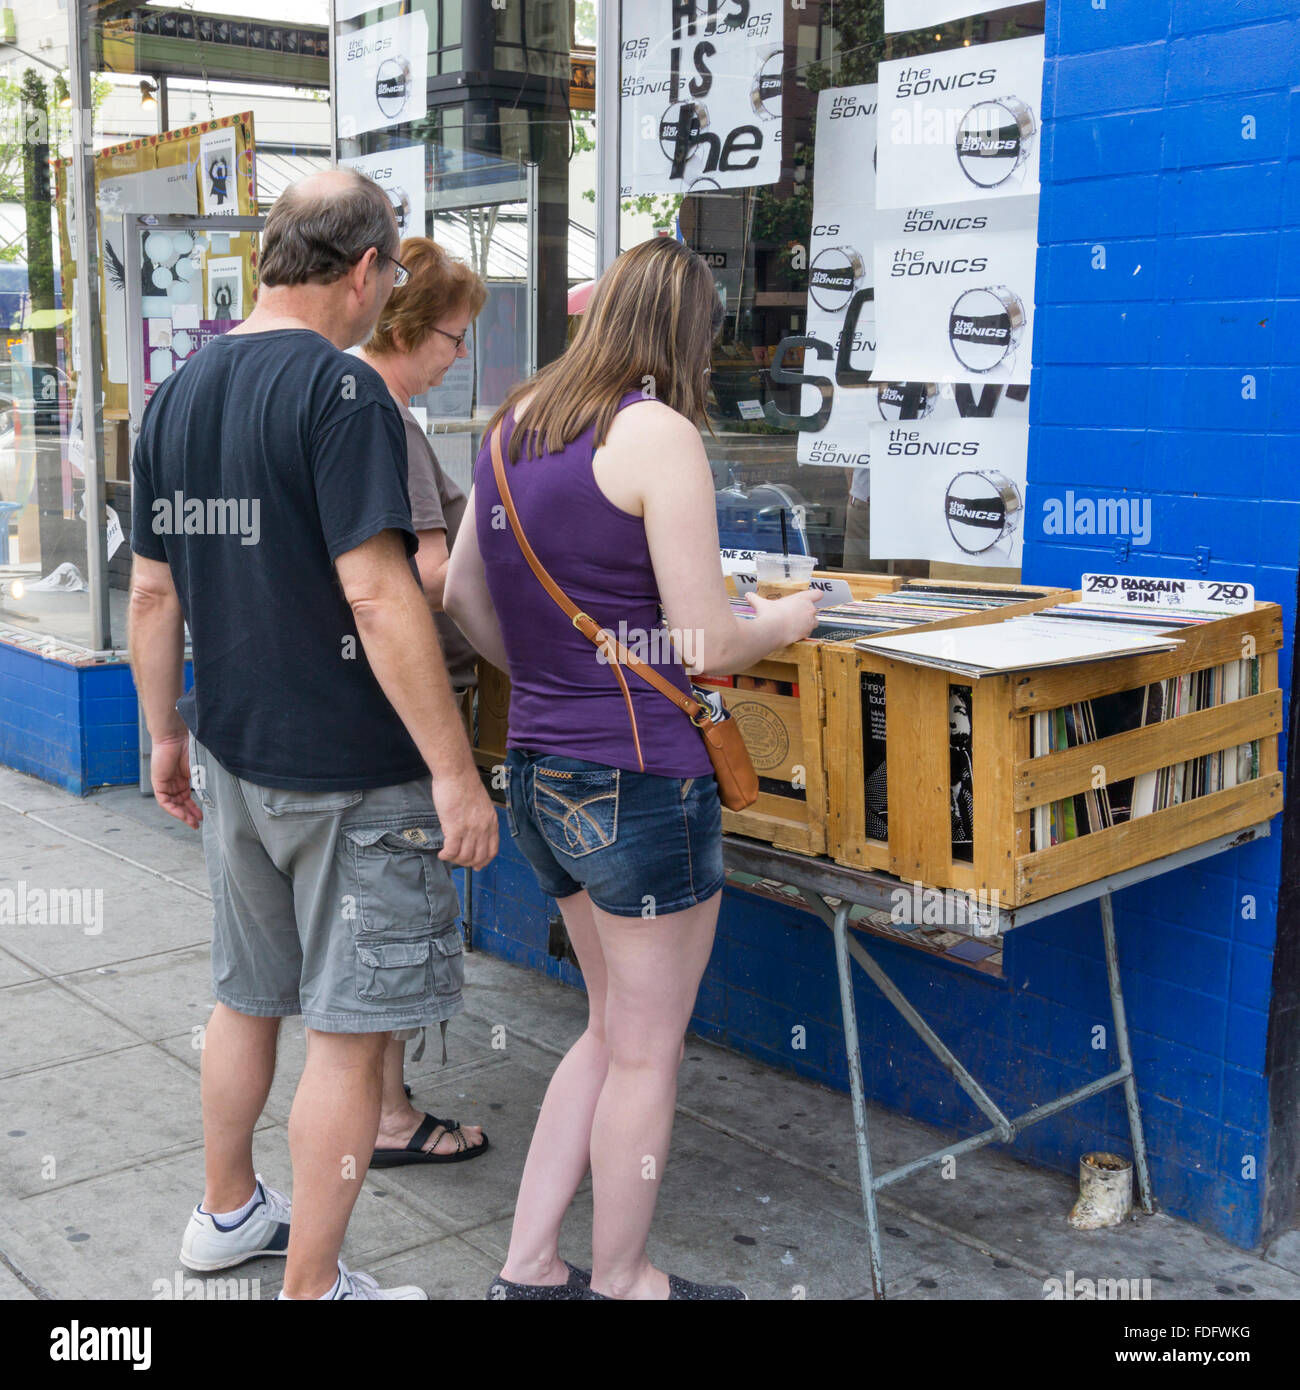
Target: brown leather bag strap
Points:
x,y
584,622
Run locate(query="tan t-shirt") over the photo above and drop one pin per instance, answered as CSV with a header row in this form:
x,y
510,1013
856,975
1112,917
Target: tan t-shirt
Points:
x,y
437,504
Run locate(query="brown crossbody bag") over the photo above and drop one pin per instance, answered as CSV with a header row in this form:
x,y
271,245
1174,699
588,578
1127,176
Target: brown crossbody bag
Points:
x,y
737,780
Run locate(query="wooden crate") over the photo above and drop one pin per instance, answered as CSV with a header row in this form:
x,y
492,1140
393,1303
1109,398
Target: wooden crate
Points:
x,y
1008,784
493,715
843,666
784,733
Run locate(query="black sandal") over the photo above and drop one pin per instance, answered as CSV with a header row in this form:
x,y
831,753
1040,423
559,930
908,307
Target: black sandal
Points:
x,y
415,1152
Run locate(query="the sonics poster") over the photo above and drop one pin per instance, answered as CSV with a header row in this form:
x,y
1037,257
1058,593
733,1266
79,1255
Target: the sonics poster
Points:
x,y
701,85
916,354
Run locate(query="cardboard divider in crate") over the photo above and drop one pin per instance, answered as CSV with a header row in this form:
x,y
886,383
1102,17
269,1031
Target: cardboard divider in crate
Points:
x,y
1009,785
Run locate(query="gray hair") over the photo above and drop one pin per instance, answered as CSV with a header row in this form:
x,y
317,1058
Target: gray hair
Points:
x,y
321,226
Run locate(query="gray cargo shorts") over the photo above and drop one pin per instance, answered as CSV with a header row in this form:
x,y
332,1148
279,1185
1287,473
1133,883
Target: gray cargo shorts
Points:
x,y
333,905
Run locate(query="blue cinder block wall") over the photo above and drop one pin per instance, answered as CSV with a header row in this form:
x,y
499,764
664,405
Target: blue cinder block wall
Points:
x,y
1167,368
75,725
1138,386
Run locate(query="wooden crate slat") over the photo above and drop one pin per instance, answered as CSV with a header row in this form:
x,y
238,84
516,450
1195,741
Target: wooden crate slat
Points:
x,y
842,667
1092,857
993,735
769,819
846,835
916,758
784,737
1061,774
1213,644
1268,681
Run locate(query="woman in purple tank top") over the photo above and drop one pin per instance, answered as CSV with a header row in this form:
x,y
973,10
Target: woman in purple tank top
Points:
x,y
610,793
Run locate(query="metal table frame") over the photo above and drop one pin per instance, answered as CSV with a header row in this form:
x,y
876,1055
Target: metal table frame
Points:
x,y
819,879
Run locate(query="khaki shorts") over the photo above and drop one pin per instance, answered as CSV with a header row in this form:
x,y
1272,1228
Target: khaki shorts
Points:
x,y
332,905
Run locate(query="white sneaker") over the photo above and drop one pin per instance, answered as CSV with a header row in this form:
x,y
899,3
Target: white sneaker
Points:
x,y
358,1285
264,1231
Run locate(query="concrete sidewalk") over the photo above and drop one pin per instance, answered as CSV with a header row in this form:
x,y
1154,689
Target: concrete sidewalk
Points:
x,y
101,1144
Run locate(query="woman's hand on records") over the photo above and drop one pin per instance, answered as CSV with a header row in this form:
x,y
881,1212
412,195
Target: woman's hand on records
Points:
x,y
794,615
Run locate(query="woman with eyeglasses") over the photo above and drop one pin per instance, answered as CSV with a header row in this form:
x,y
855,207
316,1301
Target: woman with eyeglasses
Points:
x,y
419,336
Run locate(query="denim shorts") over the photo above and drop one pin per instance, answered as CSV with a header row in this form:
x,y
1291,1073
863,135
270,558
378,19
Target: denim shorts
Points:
x,y
333,905
641,845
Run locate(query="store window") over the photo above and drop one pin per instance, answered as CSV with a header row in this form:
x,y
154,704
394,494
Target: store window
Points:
x,y
753,129
461,113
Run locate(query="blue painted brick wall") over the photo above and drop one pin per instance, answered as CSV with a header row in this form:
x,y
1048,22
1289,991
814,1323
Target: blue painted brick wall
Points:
x,y
1138,387
73,725
1144,156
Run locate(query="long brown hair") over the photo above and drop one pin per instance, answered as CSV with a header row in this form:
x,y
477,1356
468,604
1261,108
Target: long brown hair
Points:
x,y
649,326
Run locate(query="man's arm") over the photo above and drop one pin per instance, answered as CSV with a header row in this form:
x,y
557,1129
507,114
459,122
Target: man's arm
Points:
x,y
401,643
156,643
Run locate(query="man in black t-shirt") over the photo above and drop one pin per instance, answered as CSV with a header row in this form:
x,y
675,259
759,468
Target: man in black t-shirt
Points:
x,y
270,512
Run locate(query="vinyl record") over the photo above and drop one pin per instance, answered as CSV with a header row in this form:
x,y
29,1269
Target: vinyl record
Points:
x,y
981,509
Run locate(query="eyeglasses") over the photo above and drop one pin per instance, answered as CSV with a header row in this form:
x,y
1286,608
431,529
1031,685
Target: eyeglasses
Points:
x,y
457,338
400,273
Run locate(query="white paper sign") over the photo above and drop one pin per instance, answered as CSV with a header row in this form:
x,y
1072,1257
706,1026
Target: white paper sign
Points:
x,y
961,125
400,173
830,591
113,535
185,316
381,74
949,490
701,95
840,271
350,9
956,307
902,15
225,287
1140,592
217,172
737,561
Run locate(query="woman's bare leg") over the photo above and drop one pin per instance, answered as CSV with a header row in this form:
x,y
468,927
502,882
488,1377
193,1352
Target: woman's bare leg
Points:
x,y
560,1152
653,969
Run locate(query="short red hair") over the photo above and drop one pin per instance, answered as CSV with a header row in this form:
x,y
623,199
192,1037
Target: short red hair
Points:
x,y
438,285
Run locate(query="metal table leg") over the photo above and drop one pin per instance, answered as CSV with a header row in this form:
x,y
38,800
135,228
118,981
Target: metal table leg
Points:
x,y
841,932
1125,1054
